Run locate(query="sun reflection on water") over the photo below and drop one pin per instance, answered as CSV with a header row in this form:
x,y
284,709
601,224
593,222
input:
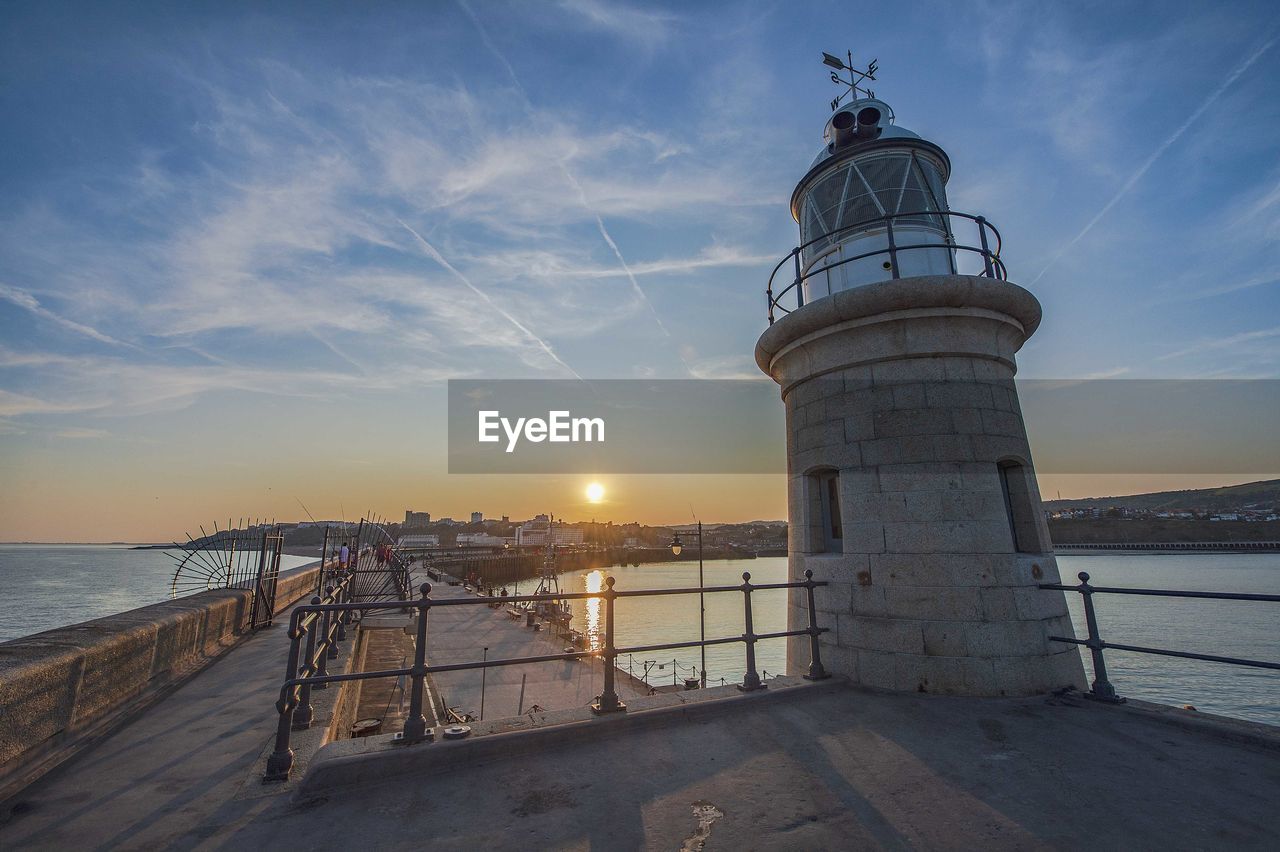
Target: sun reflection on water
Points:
x,y
595,583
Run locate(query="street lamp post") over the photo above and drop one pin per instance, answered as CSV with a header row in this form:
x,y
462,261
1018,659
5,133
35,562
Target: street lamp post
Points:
x,y
676,547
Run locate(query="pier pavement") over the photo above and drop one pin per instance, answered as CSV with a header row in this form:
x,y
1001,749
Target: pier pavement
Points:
x,y
189,766
796,766
458,634
170,775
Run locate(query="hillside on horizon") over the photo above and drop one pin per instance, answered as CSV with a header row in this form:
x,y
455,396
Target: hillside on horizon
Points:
x,y
1263,493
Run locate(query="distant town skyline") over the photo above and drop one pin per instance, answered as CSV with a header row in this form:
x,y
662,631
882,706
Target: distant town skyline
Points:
x,y
243,249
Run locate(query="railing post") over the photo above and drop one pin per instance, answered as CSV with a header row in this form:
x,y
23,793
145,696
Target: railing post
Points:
x,y
322,665
280,761
342,616
303,715
893,248
349,580
324,551
816,671
1102,688
415,726
750,680
608,701
331,643
795,256
986,251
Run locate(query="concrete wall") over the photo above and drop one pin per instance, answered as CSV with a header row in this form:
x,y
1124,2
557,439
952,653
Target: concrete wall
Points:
x,y
61,689
905,389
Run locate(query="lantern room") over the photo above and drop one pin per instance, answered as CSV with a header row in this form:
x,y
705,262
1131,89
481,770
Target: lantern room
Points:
x,y
873,205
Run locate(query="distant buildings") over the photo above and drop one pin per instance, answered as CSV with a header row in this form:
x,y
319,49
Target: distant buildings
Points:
x,y
483,539
416,519
537,531
477,517
754,537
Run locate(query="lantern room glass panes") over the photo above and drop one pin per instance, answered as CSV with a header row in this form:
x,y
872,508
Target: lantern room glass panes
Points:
x,y
865,189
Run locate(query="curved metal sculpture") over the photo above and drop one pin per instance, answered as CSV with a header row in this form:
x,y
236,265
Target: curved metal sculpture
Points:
x,y
228,558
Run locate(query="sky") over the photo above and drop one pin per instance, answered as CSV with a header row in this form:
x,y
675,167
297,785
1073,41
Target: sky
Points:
x,y
244,246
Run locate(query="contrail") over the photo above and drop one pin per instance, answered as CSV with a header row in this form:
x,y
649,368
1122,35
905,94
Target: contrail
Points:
x,y
335,350
439,258
484,37
25,300
573,181
604,232
1164,146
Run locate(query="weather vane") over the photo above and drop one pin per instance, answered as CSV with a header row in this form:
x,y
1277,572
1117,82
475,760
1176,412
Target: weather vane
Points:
x,y
856,77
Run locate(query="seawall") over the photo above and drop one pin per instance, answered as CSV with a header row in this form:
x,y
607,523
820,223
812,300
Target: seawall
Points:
x,y
62,689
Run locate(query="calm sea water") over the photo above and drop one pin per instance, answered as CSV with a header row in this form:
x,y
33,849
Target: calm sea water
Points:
x,y
47,586
674,618
1230,628
1245,629
51,586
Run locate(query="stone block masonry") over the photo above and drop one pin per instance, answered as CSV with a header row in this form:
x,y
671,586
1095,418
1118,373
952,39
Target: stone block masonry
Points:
x,y
62,689
932,535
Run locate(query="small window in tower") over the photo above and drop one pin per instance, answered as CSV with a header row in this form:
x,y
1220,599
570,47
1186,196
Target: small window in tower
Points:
x,y
832,540
1019,506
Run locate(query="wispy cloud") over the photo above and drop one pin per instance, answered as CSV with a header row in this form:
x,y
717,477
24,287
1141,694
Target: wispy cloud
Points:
x,y
737,367
291,243
566,264
609,17
613,247
16,404
1226,342
1111,373
1146,165
25,300
628,22
81,434
439,258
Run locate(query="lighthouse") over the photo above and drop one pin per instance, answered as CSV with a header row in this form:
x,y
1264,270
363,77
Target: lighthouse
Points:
x,y
893,331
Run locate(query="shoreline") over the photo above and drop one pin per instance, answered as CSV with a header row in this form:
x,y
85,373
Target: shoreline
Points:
x,y
1237,547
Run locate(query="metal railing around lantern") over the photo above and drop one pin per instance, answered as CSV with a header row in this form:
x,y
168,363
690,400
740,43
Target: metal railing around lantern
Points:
x,y
989,245
1102,689
315,630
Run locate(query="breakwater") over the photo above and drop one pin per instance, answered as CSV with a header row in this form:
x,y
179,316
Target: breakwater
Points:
x,y
1173,546
62,689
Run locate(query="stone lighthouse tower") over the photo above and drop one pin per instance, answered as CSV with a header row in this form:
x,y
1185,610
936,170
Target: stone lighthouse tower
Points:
x,y
892,334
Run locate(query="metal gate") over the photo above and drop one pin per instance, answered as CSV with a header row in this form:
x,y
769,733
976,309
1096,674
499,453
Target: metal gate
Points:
x,y
246,556
264,589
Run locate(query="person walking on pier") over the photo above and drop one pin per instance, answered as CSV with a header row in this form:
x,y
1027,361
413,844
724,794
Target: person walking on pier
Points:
x,y
344,556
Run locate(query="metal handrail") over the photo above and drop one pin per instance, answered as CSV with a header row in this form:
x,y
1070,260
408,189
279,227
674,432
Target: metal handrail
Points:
x,y
315,660
1102,689
993,266
321,644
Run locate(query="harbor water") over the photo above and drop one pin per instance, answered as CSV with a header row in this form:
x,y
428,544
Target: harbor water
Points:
x,y
1230,628
48,586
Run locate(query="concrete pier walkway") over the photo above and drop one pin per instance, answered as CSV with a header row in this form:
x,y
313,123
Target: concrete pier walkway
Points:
x,y
796,766
188,766
457,634
170,773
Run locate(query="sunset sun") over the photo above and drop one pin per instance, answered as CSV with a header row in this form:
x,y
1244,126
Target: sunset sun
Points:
x,y
595,492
